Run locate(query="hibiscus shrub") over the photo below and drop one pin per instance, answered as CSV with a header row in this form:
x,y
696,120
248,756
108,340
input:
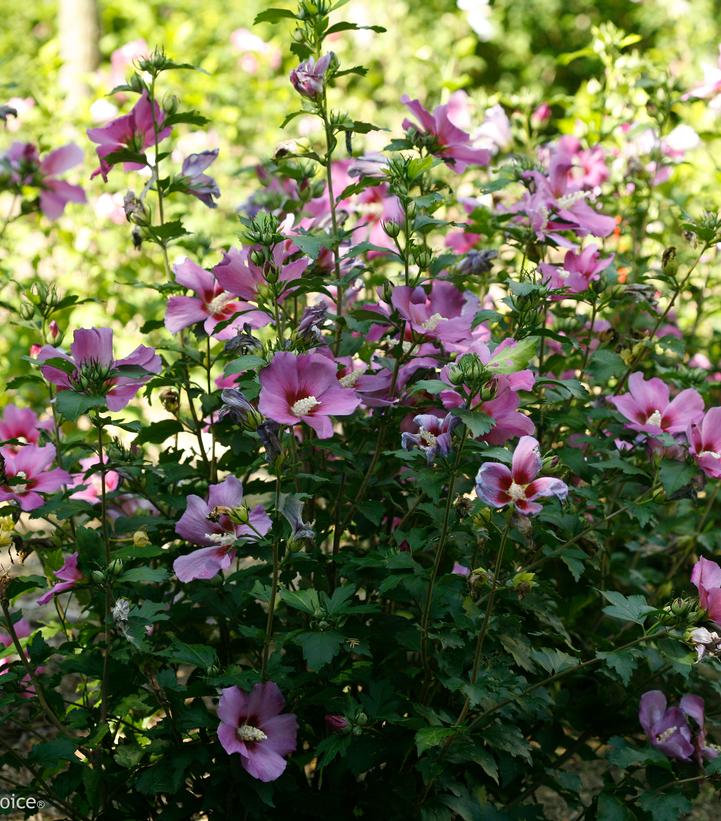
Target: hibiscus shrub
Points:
x,y
421,517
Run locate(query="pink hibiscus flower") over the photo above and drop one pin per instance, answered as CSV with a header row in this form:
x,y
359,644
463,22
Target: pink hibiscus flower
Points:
x,y
706,576
27,169
447,141
704,439
578,270
132,132
69,576
211,523
27,475
304,388
96,372
92,485
240,276
211,304
254,726
23,425
649,409
498,486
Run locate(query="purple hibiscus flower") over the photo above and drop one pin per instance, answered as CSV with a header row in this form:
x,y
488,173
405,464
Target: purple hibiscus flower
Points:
x,y
649,409
26,475
668,730
24,167
306,389
450,143
96,372
498,486
704,440
132,132
216,525
254,726
69,576
433,436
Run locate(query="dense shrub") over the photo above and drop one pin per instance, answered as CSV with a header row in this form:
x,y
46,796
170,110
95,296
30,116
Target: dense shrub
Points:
x,y
406,504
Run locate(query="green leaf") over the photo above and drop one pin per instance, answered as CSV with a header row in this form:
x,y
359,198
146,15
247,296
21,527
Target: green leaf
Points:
x,y
158,432
623,664
428,737
319,649
199,655
432,386
304,600
477,422
149,575
274,16
51,751
72,405
675,475
665,806
627,608
552,660
611,809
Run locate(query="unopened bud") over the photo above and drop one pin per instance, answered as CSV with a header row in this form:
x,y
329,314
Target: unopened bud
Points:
x,y
391,228
140,538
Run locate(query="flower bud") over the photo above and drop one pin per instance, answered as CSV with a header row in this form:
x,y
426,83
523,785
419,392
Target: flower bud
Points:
x,y
337,723
170,400
140,539
391,228
669,262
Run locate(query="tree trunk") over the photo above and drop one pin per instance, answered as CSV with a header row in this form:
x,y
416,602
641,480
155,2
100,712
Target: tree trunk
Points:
x,y
79,32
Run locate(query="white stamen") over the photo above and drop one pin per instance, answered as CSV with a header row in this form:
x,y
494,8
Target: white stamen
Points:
x,y
350,379
432,322
427,437
570,199
216,305
407,345
516,492
712,453
665,735
20,487
246,732
304,406
654,419
221,539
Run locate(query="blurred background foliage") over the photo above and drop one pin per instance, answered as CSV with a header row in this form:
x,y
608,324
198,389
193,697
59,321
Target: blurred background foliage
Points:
x,y
504,51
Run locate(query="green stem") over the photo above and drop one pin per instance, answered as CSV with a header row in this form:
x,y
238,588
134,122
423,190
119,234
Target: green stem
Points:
x,y
440,550
273,591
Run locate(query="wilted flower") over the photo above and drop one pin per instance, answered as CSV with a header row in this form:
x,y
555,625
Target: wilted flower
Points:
x,y
705,642
292,510
308,78
498,486
253,725
475,263
237,408
193,181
